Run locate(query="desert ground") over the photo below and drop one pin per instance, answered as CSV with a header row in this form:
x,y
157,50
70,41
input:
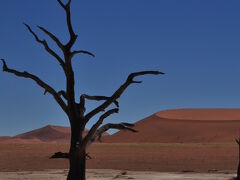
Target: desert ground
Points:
x,y
140,161
108,174
160,157
176,144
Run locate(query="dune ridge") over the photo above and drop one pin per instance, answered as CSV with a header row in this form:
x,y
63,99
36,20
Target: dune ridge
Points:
x,y
183,126
47,134
217,114
168,126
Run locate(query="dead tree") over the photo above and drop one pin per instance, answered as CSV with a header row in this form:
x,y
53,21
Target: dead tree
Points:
x,y
238,171
75,110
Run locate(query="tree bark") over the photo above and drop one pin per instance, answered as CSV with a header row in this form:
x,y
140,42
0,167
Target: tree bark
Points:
x,y
77,154
238,171
77,161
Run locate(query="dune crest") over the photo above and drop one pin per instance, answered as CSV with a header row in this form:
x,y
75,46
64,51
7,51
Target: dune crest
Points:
x,y
201,114
184,126
49,134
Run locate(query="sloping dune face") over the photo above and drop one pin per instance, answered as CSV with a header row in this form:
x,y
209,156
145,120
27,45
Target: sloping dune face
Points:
x,y
4,138
47,133
201,114
184,126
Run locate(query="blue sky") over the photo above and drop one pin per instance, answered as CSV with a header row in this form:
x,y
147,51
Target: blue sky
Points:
x,y
196,43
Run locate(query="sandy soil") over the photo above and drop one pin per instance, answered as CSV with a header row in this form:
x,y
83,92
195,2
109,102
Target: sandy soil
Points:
x,y
114,174
158,157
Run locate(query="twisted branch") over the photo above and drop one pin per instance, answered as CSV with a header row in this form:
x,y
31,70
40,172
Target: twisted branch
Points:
x,y
53,37
46,46
73,36
106,127
41,83
130,80
94,128
98,98
63,94
95,98
82,52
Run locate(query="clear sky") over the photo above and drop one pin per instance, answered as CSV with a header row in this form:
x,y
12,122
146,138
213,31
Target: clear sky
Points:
x,y
196,43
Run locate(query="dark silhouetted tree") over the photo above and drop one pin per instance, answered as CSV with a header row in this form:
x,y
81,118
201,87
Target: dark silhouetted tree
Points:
x,y
74,110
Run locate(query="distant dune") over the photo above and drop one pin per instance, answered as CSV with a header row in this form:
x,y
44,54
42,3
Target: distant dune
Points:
x,y
4,138
169,126
184,126
48,134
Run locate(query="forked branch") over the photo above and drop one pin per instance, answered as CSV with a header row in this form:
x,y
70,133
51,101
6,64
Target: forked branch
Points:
x,y
73,36
98,98
41,83
63,94
53,37
120,126
130,80
83,98
46,46
94,128
106,127
63,5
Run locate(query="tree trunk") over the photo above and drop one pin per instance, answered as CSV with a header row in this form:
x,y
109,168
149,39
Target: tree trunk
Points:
x,y
238,171
77,154
77,159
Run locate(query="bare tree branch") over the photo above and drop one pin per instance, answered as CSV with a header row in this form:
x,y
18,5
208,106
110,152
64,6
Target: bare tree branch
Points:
x,y
47,48
53,37
82,52
73,36
65,6
119,92
69,2
238,141
94,128
82,108
106,127
42,84
65,155
61,3
98,98
63,94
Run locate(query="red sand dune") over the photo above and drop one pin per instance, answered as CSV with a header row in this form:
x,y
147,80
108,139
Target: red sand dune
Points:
x,y
14,140
185,125
48,133
169,126
201,114
4,138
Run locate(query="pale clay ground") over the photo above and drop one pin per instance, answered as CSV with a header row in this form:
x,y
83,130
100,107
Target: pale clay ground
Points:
x,y
94,174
